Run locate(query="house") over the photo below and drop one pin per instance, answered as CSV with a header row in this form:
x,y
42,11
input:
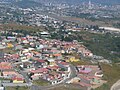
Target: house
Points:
x,y
84,69
2,47
72,59
54,68
18,80
99,74
28,66
44,34
41,63
55,74
49,77
38,73
87,53
9,74
39,46
25,42
5,66
14,56
51,61
63,65
57,56
11,38
26,54
24,58
18,47
10,45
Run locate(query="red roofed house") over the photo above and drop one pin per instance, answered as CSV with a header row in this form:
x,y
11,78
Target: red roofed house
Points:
x,y
39,73
42,63
18,80
5,66
54,68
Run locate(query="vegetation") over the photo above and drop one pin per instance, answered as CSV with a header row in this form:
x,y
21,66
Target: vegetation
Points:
x,y
68,87
17,88
20,27
81,62
106,45
1,79
111,74
9,50
41,82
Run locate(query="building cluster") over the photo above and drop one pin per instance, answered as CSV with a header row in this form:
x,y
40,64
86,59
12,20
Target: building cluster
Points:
x,y
8,73
41,58
88,76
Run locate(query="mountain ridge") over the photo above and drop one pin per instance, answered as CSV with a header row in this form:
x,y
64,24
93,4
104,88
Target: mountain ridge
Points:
x,y
69,1
79,1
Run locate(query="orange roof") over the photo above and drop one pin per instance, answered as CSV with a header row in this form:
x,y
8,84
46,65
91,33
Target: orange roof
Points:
x,y
35,52
57,55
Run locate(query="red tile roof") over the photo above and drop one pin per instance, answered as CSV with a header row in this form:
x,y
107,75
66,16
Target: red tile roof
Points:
x,y
64,63
15,56
40,70
5,65
18,79
41,61
53,67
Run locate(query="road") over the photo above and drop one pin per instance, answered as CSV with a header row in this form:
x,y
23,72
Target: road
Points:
x,y
116,86
72,74
14,84
27,80
33,87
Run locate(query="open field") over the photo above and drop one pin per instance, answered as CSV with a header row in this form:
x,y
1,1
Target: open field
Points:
x,y
41,82
69,87
80,20
111,74
16,88
20,27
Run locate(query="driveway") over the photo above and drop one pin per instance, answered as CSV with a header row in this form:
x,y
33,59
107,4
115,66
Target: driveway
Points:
x,y
116,86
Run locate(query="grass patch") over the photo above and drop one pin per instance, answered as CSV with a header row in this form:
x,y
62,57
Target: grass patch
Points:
x,y
81,62
68,87
1,79
9,50
17,88
21,27
41,82
111,74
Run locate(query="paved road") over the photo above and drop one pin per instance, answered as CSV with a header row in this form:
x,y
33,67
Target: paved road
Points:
x,y
33,87
116,86
27,80
15,84
72,74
